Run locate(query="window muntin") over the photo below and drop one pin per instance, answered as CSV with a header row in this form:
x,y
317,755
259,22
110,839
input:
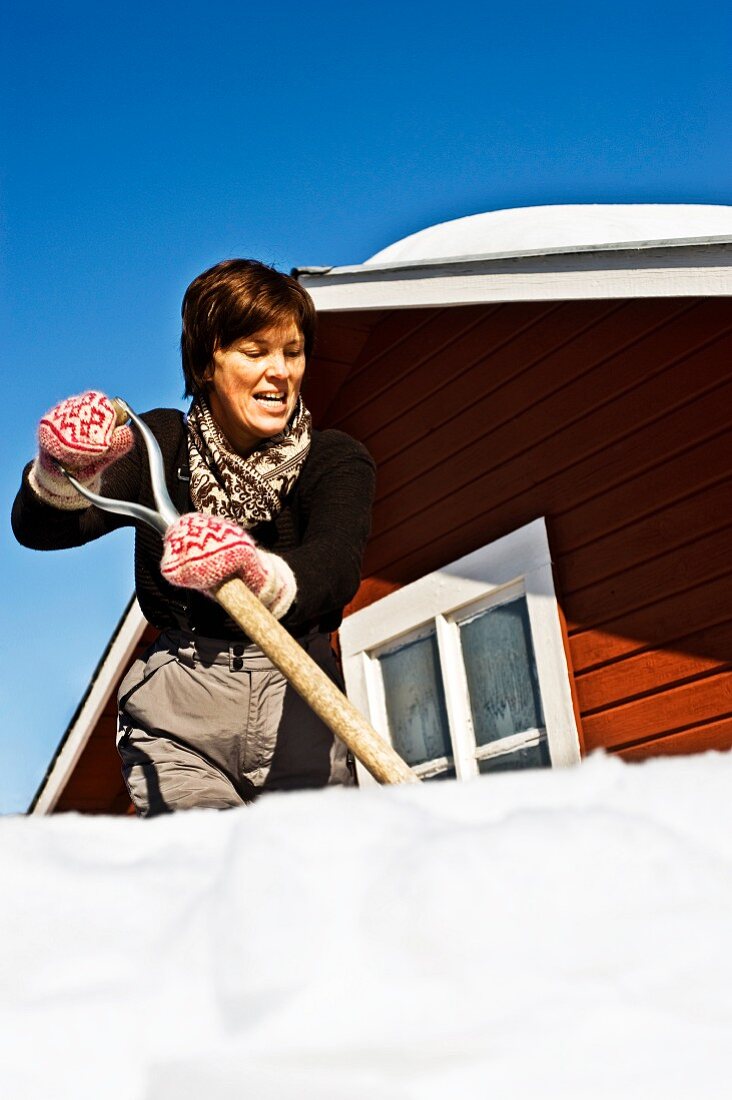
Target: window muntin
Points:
x,y
526,756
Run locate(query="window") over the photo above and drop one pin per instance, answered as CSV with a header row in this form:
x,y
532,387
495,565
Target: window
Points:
x,y
464,670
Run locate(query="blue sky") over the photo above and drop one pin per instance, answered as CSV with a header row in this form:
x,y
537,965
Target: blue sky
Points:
x,y
140,144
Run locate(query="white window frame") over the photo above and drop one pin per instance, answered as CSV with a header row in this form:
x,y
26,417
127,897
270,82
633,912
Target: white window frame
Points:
x,y
519,564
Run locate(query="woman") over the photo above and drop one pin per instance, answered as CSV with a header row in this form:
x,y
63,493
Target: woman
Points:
x,y
205,720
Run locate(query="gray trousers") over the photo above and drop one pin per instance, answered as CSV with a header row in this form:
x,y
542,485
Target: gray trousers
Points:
x,y
208,723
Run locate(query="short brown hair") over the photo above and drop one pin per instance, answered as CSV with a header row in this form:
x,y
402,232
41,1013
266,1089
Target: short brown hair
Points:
x,y
233,299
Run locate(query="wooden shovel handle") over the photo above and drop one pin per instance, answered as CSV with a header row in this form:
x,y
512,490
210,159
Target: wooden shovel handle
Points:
x,y
309,680
120,412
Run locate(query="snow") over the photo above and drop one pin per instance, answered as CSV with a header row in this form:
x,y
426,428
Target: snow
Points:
x,y
530,934
541,228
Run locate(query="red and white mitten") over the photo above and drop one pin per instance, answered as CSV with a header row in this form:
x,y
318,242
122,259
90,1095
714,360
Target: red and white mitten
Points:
x,y
80,434
200,551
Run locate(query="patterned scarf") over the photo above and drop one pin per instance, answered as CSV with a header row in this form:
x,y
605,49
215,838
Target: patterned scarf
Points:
x,y
248,490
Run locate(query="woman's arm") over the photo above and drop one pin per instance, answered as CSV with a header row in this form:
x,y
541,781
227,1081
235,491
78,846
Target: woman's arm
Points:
x,y
40,526
337,498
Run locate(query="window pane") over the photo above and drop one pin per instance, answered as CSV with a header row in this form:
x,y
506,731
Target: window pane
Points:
x,y
501,672
415,701
535,756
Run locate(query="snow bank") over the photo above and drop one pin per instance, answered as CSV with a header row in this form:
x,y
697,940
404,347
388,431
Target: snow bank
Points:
x,y
536,934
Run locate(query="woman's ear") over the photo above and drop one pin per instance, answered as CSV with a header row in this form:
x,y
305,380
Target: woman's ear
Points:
x,y
210,369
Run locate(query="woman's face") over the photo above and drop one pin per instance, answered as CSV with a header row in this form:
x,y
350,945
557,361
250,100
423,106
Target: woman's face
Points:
x,y
254,385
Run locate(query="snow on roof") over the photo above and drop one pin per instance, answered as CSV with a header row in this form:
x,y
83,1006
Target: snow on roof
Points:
x,y
531,934
543,228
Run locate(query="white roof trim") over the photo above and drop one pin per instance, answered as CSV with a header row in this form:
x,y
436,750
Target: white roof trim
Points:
x,y
122,645
679,268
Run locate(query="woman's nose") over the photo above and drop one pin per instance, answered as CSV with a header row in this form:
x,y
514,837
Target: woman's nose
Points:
x,y
277,365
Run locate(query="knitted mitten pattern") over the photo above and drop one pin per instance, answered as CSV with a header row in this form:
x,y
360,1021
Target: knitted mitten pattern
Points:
x,y
200,551
80,434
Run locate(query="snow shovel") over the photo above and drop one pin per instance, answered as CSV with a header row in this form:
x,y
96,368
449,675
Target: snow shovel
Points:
x,y
308,679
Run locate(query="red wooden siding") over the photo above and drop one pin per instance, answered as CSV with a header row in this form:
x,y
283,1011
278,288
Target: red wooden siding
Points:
x,y
339,341
612,420
96,784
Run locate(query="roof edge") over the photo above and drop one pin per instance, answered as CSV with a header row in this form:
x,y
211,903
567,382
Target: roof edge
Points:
x,y
474,257
120,647
697,267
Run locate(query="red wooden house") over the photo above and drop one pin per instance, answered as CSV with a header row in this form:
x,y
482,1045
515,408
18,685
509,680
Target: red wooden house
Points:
x,y
546,393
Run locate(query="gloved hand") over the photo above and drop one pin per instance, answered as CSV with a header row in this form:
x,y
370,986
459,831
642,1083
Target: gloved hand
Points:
x,y
81,434
200,551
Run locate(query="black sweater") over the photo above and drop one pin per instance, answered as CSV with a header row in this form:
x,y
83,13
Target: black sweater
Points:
x,y
320,532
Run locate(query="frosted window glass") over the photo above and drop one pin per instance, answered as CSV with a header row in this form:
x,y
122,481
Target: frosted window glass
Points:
x,y
501,672
415,701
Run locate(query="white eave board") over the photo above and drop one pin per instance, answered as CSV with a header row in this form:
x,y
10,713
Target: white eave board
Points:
x,y
121,647
680,268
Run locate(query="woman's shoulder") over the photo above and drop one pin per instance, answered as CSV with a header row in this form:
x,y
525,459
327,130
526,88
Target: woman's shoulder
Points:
x,y
330,444
168,426
336,462
169,421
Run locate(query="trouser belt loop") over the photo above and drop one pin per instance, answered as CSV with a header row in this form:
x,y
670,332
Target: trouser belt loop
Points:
x,y
187,652
236,657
